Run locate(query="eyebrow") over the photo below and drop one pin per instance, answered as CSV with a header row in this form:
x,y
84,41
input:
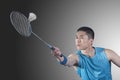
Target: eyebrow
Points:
x,y
80,36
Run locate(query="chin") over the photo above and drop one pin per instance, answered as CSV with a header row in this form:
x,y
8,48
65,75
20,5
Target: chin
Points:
x,y
79,48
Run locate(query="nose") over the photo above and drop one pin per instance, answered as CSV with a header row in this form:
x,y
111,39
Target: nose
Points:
x,y
78,41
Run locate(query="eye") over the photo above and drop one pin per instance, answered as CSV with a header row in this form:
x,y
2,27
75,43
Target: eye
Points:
x,y
76,37
81,37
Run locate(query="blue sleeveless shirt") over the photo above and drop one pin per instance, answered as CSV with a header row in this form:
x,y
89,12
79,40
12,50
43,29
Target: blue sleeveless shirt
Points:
x,y
97,67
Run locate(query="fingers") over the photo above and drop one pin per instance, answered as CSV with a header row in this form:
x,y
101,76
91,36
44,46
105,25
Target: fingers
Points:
x,y
56,52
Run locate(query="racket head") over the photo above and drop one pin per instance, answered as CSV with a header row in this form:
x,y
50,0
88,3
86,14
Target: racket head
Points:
x,y
21,23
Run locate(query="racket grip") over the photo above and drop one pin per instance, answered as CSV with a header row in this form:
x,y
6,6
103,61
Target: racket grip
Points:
x,y
51,47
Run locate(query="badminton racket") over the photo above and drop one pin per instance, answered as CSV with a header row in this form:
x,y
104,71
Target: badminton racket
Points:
x,y
22,25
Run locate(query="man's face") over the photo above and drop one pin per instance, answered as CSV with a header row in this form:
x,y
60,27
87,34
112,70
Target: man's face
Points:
x,y
82,40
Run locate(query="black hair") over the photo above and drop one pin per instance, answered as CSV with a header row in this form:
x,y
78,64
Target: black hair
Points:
x,y
88,31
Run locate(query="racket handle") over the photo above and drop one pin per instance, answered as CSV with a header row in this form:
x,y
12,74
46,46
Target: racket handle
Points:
x,y
51,47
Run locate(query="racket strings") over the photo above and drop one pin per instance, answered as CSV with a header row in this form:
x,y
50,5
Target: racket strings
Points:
x,y
23,27
21,23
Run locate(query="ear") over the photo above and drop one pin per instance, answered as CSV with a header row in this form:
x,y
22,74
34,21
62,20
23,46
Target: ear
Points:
x,y
91,41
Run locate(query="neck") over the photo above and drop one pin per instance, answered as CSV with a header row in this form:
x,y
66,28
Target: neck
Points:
x,y
89,51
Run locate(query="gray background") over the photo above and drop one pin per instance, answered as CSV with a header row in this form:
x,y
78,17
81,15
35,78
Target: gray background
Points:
x,y
29,59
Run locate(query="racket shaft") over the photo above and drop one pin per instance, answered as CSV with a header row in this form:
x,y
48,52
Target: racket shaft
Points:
x,y
48,45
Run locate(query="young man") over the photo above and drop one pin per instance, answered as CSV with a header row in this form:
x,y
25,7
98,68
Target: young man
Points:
x,y
91,63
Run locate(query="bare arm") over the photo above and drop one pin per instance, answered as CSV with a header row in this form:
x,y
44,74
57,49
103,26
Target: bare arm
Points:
x,y
72,59
112,56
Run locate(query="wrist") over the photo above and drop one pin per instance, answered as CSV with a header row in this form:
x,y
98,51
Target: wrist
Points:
x,y
64,61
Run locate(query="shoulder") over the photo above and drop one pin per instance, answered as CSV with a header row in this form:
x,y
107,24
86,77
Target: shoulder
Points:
x,y
109,53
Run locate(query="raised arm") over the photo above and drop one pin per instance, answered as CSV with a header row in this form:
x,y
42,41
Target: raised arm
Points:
x,y
112,56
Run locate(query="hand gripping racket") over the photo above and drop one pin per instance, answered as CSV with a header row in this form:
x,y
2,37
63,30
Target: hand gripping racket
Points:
x,y
22,25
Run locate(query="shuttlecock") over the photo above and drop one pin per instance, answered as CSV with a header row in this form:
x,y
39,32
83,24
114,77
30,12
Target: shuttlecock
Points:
x,y
32,16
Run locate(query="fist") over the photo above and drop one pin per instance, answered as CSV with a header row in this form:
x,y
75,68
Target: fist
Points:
x,y
56,52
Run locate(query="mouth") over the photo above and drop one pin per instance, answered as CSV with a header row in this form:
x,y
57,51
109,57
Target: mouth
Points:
x,y
78,45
